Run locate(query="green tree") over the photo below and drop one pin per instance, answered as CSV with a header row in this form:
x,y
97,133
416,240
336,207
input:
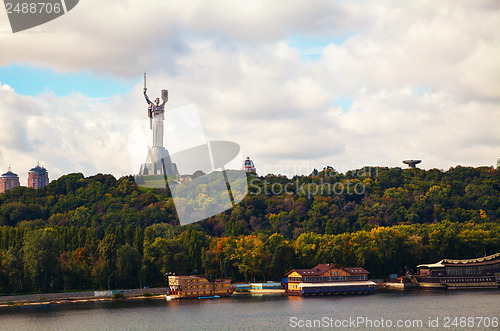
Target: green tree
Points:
x,y
107,251
128,264
249,256
41,259
282,257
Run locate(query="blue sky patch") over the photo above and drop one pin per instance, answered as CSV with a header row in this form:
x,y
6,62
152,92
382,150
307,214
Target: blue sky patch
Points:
x,y
344,103
420,90
31,80
312,48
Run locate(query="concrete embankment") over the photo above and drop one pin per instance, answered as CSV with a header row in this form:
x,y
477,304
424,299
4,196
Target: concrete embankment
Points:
x,y
261,291
78,296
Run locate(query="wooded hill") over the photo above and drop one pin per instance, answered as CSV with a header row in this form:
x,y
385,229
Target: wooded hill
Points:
x,y
88,233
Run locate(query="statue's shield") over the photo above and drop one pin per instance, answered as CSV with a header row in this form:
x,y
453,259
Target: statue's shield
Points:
x,y
164,95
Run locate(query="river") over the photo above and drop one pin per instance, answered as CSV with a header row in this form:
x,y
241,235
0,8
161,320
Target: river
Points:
x,y
409,310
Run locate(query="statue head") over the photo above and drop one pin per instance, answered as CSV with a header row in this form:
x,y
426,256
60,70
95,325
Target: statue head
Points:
x,y
157,101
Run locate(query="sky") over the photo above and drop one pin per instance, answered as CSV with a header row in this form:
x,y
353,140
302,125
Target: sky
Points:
x,y
297,84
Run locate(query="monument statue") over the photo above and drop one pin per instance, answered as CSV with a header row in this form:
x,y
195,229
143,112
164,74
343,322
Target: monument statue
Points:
x,y
158,161
156,117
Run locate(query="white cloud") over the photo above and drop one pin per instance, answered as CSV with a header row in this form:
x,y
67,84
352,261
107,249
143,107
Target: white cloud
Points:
x,y
118,36
70,134
423,78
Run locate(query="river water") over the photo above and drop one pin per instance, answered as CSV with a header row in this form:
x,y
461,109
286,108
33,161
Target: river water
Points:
x,y
409,310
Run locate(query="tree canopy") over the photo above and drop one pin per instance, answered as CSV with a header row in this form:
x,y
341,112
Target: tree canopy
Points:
x,y
95,232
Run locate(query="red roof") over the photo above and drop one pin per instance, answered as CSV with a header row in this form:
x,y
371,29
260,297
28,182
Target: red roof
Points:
x,y
317,270
356,271
322,268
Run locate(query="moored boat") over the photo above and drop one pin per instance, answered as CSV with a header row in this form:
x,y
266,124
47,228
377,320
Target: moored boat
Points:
x,y
328,279
483,272
212,297
185,287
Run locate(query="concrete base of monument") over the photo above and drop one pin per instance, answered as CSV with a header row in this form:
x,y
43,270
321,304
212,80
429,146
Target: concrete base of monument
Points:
x,y
152,181
158,162
157,153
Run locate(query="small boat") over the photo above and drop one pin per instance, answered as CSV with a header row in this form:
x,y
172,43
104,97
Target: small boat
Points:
x,y
212,297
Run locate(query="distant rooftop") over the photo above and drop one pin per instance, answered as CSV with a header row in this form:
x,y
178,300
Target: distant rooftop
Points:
x,y
248,165
39,169
322,268
9,173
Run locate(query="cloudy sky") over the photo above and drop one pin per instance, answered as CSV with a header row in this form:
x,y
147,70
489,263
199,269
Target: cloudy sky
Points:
x,y
297,84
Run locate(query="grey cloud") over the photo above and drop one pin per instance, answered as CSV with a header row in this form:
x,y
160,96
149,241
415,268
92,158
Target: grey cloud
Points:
x,y
422,78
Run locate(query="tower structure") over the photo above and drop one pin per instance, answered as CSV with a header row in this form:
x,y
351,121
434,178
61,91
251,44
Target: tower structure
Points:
x,y
8,181
38,177
248,165
412,163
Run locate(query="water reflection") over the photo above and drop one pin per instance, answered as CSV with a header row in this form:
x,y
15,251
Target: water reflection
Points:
x,y
269,312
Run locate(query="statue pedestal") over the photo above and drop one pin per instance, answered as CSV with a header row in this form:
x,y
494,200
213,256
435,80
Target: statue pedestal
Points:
x,y
158,162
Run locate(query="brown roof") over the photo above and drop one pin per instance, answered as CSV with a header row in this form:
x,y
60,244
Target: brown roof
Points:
x,y
356,271
322,268
317,270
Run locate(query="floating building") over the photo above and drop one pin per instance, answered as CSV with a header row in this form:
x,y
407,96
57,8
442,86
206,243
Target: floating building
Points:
x,y
8,181
482,272
38,177
328,279
248,165
185,287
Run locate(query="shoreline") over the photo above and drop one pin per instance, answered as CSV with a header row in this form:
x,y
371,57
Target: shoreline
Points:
x,y
22,301
161,296
78,300
85,296
261,291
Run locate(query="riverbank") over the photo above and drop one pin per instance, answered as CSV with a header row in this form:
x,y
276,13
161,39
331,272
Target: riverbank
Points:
x,y
95,296
32,303
260,291
87,296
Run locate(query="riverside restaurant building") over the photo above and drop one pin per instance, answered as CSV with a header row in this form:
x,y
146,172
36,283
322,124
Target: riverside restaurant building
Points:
x,y
481,272
328,279
198,287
